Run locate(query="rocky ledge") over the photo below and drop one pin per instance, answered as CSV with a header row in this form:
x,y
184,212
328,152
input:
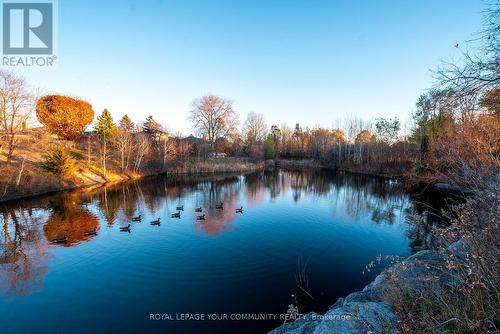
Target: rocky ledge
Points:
x,y
368,311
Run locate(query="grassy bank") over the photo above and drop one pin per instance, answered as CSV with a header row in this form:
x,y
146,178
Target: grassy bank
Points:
x,y
25,176
33,180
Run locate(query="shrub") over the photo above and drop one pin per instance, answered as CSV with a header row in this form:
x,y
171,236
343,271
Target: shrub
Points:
x,y
471,303
60,162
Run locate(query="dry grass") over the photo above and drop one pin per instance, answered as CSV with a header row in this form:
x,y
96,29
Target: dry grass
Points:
x,y
212,165
25,176
304,164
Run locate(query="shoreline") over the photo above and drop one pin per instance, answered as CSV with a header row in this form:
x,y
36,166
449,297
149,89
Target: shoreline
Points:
x,y
221,166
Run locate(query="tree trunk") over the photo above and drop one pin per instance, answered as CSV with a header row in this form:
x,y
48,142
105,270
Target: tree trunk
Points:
x,y
20,172
122,157
88,151
10,145
104,155
127,161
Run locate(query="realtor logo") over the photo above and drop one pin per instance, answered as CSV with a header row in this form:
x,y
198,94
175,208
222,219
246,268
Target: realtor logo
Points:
x,y
28,29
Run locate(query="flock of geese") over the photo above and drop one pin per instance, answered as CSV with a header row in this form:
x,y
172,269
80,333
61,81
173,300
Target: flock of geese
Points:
x,y
156,222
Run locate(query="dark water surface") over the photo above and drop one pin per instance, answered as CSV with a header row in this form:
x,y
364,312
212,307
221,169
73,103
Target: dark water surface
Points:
x,y
303,231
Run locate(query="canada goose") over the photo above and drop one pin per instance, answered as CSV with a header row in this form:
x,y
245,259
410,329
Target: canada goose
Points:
x,y
198,209
155,222
240,210
220,206
180,208
125,228
137,219
90,232
62,240
176,215
201,217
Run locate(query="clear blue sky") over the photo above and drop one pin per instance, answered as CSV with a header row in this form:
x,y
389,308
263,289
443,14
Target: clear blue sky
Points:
x,y
307,61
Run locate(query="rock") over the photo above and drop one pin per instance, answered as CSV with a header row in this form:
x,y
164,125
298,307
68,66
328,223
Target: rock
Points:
x,y
304,325
359,317
338,303
417,272
352,317
445,187
459,249
359,296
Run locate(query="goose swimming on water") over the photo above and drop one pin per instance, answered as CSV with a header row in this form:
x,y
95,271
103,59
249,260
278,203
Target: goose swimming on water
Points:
x,y
137,219
198,209
155,222
240,210
90,232
125,228
176,215
201,217
62,240
180,208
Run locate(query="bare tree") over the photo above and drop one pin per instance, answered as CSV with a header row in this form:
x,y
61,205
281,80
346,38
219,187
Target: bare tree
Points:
x,y
142,147
124,141
255,128
17,104
213,117
321,141
288,141
183,147
168,149
479,70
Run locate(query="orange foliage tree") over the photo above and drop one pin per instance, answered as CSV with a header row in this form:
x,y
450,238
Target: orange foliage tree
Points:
x,y
64,116
364,137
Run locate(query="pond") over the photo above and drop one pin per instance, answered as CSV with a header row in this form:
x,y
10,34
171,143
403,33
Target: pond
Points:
x,y
302,239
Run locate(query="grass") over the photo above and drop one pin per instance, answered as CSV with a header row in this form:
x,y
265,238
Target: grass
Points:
x,y
211,166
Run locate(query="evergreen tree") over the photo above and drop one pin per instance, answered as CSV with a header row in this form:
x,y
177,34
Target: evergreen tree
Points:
x,y
60,162
126,124
269,149
151,127
275,133
297,134
105,126
106,130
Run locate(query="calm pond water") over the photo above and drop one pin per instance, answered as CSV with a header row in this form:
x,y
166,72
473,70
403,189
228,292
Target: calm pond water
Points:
x,y
304,238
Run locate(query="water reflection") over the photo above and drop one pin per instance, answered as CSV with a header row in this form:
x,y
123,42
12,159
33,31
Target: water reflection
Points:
x,y
30,225
70,218
23,253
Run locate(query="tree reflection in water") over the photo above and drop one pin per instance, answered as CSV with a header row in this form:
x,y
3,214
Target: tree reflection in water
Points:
x,y
23,252
70,218
29,225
